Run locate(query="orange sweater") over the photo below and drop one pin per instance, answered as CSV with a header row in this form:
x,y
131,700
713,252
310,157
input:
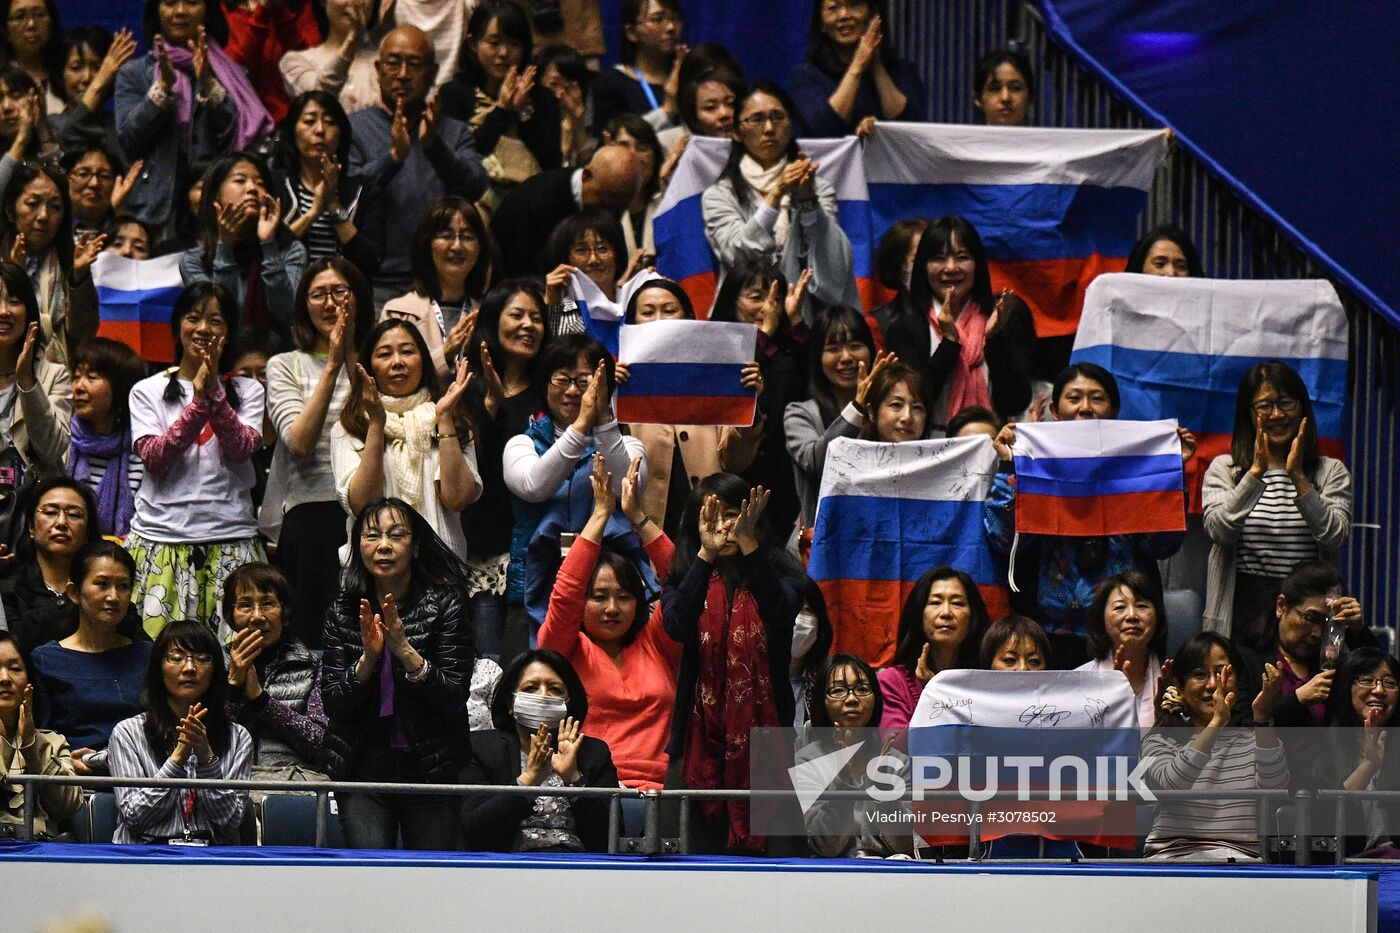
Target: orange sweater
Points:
x,y
628,707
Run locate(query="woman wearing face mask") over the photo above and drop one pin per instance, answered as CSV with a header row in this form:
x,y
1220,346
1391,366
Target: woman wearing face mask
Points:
x,y
1003,86
1015,643
184,101
395,677
26,749
453,257
840,350
678,455
1060,576
89,663
811,643
758,294
401,435
971,347
600,619
851,73
846,697
244,245
38,237
274,680
92,56
306,392
101,455
331,211
547,467
509,339
194,520
770,203
1126,631
539,711
1362,712
342,65
940,629
730,600
1273,501
185,732
1189,751
514,120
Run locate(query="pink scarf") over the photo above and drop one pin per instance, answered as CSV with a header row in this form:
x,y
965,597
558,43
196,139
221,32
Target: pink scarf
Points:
x,y
967,386
252,122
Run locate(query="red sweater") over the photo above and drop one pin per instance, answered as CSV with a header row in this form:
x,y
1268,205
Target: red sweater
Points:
x,y
257,40
629,708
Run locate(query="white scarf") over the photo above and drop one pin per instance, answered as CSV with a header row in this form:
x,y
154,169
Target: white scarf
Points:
x,y
762,180
408,426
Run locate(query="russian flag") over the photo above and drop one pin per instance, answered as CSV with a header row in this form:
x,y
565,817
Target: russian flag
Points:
x,y
1055,208
686,372
683,253
1098,478
1179,347
602,316
889,512
135,298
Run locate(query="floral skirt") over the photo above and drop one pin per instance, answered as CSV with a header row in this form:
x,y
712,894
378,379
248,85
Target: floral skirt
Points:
x,y
185,581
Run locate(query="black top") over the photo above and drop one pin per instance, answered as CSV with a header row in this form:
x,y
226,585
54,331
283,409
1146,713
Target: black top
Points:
x,y
616,93
487,522
541,132
527,216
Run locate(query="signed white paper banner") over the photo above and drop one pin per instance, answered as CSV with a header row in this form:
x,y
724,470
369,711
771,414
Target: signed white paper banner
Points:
x,y
1027,699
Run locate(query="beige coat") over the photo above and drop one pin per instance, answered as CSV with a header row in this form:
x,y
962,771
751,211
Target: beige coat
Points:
x,y
705,449
1226,504
55,803
417,309
39,424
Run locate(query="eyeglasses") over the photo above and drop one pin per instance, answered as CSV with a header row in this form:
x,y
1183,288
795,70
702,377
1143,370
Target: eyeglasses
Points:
x,y
1285,405
265,606
396,535
73,513
841,691
452,236
661,19
1200,675
84,175
319,296
1313,618
564,380
601,250
1368,682
178,659
39,15
759,120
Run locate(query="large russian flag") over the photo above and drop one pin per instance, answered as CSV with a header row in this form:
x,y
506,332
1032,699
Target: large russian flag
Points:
x,y
889,512
1055,208
135,298
686,372
683,253
1179,347
1099,477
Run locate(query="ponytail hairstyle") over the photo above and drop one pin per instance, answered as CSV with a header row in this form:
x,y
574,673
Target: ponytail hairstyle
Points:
x,y
190,300
162,725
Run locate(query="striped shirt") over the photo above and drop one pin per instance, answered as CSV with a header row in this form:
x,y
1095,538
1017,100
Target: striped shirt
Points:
x,y
1234,761
135,469
319,239
155,814
1275,537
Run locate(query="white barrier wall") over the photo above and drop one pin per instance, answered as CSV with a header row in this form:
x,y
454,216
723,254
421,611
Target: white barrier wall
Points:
x,y
212,895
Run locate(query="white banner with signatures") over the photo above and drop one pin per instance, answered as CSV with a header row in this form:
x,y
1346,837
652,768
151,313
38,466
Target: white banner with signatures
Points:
x,y
1027,699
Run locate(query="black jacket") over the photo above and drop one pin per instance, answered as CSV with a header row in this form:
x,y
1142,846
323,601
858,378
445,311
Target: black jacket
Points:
x,y
489,824
1008,356
433,712
540,133
527,216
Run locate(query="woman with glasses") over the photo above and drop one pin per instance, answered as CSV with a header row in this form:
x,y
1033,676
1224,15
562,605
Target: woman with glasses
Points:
x,y
331,211
401,434
647,79
452,256
1272,502
770,204
98,183
1362,710
851,73
62,519
185,732
87,666
306,391
591,242
395,677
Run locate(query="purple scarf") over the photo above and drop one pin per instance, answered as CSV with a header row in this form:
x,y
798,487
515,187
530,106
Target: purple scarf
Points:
x,y
115,503
387,709
253,121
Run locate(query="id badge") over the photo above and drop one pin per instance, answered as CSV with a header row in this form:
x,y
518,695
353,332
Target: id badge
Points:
x,y
193,843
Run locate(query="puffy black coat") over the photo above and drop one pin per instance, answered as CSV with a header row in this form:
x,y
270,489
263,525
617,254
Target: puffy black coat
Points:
x,y
433,712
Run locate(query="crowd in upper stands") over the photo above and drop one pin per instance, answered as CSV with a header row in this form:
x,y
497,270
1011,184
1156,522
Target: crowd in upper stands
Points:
x,y
377,518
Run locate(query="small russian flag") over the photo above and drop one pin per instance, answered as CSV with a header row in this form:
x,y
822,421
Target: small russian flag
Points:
x,y
1099,478
602,316
686,372
135,298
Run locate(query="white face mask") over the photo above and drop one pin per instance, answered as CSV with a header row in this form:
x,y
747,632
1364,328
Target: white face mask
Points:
x,y
804,634
532,710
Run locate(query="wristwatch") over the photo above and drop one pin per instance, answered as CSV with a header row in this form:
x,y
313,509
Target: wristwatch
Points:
x,y
340,215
